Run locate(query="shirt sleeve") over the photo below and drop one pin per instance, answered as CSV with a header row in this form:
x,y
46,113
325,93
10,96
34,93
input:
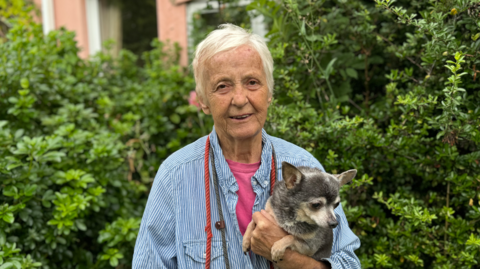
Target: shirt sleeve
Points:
x,y
344,244
155,247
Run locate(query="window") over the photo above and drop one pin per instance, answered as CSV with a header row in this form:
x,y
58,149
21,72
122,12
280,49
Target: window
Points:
x,y
203,17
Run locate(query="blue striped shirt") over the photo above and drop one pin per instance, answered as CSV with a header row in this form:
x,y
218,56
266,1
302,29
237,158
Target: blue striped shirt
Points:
x,y
172,233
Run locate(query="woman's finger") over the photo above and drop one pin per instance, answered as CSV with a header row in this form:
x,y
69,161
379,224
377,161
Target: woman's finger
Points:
x,y
268,216
258,217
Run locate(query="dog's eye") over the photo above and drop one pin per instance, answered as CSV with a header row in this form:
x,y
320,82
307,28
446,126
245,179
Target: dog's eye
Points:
x,y
316,205
336,205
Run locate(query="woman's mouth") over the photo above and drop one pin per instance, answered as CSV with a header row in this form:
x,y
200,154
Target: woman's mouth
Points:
x,y
241,117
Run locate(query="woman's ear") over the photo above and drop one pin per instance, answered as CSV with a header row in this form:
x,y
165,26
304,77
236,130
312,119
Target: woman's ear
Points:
x,y
204,107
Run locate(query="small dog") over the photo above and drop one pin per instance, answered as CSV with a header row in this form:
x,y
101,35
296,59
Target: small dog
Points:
x,y
303,206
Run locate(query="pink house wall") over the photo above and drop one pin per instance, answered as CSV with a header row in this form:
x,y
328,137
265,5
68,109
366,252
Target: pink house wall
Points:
x,y
172,24
72,15
38,4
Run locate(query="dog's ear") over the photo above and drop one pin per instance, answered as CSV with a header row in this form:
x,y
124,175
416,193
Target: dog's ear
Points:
x,y
291,175
346,176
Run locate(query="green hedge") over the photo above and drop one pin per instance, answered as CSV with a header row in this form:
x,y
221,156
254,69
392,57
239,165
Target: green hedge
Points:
x,y
80,143
358,84
391,88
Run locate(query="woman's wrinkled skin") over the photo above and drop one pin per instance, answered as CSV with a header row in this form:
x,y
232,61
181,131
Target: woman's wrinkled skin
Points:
x,y
266,233
236,86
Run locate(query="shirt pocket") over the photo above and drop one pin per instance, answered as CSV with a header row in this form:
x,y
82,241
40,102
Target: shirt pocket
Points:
x,y
195,254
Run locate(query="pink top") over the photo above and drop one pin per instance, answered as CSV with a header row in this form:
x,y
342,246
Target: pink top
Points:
x,y
243,173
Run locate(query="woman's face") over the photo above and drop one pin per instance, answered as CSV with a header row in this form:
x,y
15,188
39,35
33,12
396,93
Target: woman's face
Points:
x,y
236,94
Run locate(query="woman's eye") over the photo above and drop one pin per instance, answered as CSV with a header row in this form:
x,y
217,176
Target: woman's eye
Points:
x,y
253,84
222,87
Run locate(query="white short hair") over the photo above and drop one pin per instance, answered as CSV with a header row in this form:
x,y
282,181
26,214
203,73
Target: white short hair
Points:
x,y
229,37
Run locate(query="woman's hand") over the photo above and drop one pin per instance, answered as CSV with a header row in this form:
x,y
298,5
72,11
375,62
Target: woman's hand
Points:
x,y
266,233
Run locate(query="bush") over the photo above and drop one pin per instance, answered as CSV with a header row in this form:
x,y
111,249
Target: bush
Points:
x,y
379,88
357,84
80,142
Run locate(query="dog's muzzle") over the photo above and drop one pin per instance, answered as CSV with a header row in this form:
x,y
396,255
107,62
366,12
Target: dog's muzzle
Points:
x,y
332,224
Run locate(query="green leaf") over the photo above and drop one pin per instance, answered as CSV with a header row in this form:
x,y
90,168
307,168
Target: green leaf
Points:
x,y
458,55
8,217
48,195
352,73
3,237
113,262
23,92
53,156
17,264
104,236
46,204
302,29
475,37
7,265
53,222
24,215
30,190
10,191
19,133
473,241
61,240
24,83
175,118
81,225
11,166
314,38
329,68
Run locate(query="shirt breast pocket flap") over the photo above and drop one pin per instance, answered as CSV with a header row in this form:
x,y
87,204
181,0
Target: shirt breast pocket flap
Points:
x,y
196,251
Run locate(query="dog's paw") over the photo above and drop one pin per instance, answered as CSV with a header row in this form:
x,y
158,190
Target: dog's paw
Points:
x,y
245,246
278,249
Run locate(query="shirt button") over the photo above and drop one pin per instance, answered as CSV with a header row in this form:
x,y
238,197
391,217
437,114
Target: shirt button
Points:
x,y
254,183
204,255
265,182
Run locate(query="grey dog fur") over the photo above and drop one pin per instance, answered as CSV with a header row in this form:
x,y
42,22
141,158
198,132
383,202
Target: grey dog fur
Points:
x,y
300,186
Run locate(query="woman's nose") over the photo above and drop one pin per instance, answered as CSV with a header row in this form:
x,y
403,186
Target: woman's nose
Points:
x,y
240,96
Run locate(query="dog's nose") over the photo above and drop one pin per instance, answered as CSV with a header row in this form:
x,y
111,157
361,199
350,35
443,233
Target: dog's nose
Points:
x,y
332,224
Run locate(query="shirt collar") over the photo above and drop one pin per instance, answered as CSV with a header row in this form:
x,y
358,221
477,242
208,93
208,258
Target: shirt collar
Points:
x,y
225,176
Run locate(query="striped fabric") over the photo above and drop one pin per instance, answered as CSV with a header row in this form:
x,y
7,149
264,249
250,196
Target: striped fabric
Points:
x,y
172,232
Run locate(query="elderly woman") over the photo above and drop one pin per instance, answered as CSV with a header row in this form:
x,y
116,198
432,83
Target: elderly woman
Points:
x,y
203,195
